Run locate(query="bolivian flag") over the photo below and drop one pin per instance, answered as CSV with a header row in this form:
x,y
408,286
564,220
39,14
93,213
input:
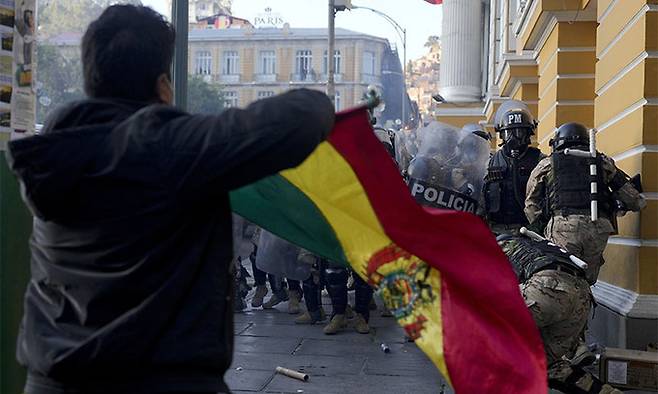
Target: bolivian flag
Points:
x,y
440,272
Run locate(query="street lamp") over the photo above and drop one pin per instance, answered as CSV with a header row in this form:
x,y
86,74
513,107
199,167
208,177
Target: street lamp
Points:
x,y
402,33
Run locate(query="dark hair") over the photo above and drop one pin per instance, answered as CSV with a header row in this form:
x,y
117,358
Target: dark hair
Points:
x,y
124,52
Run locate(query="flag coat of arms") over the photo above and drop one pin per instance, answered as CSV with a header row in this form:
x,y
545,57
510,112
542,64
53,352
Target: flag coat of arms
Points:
x,y
440,272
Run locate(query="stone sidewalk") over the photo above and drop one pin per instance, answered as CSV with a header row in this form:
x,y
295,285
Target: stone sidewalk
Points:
x,y
344,363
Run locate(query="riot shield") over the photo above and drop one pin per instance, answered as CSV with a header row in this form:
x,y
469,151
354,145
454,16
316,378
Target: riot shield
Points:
x,y
279,258
404,149
448,171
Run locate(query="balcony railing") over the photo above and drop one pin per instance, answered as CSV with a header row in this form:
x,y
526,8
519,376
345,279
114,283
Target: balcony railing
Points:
x,y
338,78
304,77
228,78
265,77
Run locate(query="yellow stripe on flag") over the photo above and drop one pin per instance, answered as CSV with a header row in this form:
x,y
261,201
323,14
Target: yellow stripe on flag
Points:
x,y
406,283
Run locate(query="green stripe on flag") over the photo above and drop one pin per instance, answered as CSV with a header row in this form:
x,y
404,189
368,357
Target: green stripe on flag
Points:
x,y
281,208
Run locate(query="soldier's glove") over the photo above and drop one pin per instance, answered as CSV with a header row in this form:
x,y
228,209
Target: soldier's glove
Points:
x,y
538,225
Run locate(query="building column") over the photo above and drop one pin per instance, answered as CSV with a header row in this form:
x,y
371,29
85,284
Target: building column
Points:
x,y
566,66
461,43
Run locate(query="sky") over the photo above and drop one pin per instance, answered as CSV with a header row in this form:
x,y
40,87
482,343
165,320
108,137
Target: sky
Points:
x,y
418,17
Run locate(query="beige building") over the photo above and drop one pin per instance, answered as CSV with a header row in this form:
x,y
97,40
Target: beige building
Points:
x,y
199,9
256,63
423,79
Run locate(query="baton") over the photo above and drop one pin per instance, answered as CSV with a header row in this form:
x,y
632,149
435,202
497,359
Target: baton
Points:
x,y
536,237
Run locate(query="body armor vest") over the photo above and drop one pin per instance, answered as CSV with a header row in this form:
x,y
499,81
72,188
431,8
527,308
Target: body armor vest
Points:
x,y
505,186
529,257
568,186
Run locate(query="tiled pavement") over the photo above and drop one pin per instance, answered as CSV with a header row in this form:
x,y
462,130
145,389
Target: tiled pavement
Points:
x,y
344,363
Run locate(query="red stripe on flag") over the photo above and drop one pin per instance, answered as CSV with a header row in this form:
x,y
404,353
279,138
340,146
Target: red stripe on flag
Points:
x,y
491,343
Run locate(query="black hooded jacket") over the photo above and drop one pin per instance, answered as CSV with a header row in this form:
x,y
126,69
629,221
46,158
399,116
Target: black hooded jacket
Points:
x,y
131,289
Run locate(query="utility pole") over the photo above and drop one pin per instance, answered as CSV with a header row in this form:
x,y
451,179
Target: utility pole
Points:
x,y
180,19
331,85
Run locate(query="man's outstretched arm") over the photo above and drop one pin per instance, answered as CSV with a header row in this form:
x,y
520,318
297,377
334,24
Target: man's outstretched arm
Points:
x,y
239,146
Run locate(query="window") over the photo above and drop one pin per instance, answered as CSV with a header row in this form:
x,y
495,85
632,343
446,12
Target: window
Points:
x,y
267,62
369,62
325,64
230,99
231,63
203,63
337,103
303,61
265,93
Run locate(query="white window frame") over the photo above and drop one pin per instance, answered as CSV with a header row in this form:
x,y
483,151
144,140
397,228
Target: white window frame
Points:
x,y
369,63
203,62
267,62
337,101
303,57
337,62
264,94
230,63
231,99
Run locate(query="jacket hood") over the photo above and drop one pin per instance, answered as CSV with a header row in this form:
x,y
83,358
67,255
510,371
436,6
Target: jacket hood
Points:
x,y
51,166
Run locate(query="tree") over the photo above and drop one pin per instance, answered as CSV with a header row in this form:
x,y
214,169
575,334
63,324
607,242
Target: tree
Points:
x,y
433,42
59,79
66,16
204,97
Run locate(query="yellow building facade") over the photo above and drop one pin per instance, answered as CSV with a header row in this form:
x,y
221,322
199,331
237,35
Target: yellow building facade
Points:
x,y
594,62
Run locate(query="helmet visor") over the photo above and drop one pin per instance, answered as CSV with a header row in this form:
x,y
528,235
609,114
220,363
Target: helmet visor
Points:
x,y
519,133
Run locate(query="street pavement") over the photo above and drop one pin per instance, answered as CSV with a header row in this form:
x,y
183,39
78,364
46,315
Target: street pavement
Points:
x,y
347,362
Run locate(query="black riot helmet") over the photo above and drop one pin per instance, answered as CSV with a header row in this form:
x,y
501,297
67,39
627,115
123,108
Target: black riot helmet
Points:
x,y
515,124
570,135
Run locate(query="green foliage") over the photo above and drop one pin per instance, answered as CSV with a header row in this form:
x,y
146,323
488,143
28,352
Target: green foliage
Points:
x,y
433,41
60,79
204,97
65,16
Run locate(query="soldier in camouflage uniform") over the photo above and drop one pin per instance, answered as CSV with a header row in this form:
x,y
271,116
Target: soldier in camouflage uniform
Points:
x,y
559,298
558,192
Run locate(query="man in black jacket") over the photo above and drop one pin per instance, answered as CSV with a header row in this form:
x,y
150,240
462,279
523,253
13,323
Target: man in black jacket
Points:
x,y
131,290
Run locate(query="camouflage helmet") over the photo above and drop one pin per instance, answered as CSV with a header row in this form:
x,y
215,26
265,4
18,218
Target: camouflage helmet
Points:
x,y
568,135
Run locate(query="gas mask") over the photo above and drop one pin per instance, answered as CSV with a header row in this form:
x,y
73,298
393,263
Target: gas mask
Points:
x,y
515,141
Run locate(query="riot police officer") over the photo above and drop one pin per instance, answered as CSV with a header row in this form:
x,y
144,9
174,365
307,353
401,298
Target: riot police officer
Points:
x,y
557,294
509,168
559,194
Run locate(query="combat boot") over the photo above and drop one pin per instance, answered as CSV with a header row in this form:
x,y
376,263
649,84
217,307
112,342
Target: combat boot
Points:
x,y
360,324
272,302
337,323
293,302
259,294
309,317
